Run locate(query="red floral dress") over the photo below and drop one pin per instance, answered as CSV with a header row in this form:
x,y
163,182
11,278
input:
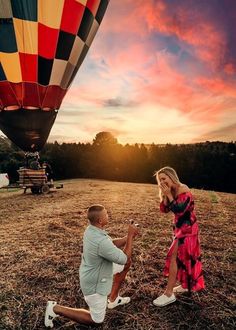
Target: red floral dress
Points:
x,y
186,236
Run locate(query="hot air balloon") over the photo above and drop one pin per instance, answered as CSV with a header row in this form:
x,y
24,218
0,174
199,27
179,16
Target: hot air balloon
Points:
x,y
42,45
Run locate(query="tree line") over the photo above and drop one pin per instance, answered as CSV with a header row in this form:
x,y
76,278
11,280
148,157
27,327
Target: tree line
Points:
x,y
208,165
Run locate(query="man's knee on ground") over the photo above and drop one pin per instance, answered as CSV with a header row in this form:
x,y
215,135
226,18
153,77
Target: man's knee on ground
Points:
x,y
97,307
98,319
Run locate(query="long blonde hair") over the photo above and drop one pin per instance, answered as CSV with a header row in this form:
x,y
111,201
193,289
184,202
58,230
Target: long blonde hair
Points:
x,y
171,173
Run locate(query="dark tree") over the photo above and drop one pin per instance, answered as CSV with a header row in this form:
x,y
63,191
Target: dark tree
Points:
x,y
104,138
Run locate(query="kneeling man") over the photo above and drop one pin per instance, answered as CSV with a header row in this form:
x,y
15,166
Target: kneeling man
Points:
x,y
102,257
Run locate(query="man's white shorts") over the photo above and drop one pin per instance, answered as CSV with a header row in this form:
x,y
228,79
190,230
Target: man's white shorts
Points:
x,y
98,303
97,306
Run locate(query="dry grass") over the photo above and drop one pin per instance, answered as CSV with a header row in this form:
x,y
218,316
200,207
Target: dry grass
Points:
x,y
40,251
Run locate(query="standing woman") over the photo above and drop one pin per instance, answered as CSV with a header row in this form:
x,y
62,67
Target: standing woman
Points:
x,y
183,262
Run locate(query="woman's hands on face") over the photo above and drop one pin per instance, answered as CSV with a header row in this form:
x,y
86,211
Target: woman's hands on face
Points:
x,y
165,189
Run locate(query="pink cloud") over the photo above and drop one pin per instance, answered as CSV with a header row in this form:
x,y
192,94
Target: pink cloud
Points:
x,y
230,68
218,86
191,26
127,18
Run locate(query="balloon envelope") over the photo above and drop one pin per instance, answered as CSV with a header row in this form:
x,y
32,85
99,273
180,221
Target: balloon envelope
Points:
x,y
42,45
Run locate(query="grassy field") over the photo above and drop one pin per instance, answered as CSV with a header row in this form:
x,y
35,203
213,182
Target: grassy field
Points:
x,y
41,244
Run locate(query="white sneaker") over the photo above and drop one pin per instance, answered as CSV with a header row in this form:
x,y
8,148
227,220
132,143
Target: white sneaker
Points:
x,y
118,302
163,300
49,314
179,289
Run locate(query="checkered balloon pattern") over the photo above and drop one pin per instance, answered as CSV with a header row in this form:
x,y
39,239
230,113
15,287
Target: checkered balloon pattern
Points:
x,y
42,45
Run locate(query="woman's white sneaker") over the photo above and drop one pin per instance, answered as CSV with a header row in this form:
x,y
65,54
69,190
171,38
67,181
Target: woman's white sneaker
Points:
x,y
49,314
164,300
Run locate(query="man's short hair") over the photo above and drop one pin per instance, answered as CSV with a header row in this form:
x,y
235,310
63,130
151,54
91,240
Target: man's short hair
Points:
x,y
94,213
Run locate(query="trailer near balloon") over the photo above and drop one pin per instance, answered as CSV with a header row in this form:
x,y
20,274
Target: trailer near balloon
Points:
x,y
36,181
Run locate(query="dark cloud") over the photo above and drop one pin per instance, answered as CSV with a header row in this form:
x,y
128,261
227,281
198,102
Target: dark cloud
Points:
x,y
118,102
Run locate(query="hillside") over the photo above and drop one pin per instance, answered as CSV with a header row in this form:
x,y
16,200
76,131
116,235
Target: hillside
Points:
x,y
40,251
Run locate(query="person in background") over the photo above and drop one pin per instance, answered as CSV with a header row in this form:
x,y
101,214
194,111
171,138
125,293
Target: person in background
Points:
x,y
102,257
183,261
34,163
48,171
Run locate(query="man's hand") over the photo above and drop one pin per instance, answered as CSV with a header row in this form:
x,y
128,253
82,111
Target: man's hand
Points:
x,y
133,230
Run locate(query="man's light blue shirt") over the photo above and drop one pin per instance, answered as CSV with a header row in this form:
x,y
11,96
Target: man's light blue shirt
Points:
x,y
96,269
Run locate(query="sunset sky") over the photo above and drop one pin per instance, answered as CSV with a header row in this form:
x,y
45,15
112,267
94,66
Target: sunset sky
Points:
x,y
158,71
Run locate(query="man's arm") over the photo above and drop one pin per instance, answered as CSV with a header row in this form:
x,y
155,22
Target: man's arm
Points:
x,y
108,250
132,232
120,242
111,252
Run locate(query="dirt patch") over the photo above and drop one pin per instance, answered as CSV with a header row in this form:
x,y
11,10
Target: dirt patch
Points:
x,y
41,244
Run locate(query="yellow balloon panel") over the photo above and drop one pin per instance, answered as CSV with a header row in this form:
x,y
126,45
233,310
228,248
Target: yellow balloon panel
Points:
x,y
12,68
83,2
26,33
50,12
